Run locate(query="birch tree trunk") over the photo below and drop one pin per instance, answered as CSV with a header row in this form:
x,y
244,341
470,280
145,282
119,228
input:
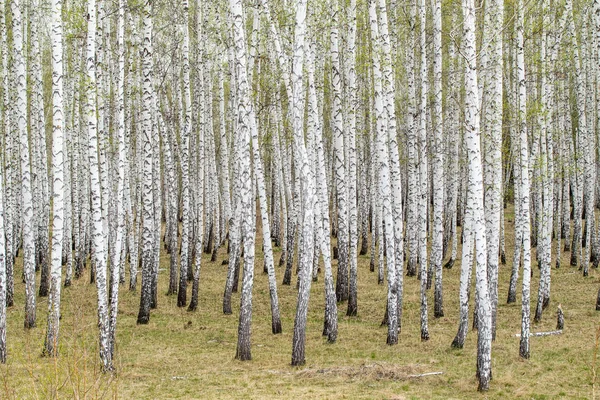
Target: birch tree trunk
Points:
x,y
120,210
147,212
384,179
524,184
200,150
185,163
423,173
3,274
307,181
98,234
351,136
51,344
322,227
340,165
243,131
3,244
438,164
388,87
7,162
26,190
266,229
492,126
475,188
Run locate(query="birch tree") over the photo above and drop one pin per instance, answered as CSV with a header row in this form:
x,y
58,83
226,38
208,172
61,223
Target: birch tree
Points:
x,y
524,182
243,131
3,244
58,161
185,163
438,164
307,179
475,191
351,136
146,140
26,190
340,165
492,126
384,179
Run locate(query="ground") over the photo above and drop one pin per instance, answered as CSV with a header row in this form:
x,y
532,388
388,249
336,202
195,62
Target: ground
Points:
x,y
182,354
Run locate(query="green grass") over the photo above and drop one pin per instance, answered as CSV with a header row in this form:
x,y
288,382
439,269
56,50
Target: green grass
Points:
x,y
191,355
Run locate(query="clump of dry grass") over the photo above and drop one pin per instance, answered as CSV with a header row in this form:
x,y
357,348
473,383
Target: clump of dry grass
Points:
x,y
372,371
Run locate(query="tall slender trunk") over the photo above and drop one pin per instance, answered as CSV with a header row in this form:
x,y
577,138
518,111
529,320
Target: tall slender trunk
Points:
x,y
353,107
475,188
146,134
492,128
120,210
384,178
26,190
322,226
307,181
243,131
185,164
58,156
524,183
340,165
438,164
423,173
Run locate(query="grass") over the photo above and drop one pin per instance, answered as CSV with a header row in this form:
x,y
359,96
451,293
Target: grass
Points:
x,y
191,355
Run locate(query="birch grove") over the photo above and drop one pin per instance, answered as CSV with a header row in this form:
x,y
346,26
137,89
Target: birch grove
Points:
x,y
146,141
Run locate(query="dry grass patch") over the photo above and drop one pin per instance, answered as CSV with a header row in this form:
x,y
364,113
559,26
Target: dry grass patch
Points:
x,y
190,355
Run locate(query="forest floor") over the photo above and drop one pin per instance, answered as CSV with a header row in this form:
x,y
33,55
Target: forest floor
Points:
x,y
182,354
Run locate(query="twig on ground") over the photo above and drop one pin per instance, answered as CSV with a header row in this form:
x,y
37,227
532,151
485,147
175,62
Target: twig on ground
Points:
x,y
550,333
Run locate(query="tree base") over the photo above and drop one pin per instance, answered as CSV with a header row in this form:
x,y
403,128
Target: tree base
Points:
x,y
276,327
449,264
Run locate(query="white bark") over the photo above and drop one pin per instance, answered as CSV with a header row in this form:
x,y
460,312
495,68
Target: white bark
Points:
x,y
98,235
340,164
524,184
243,131
423,173
307,181
492,127
322,227
26,189
438,162
185,164
145,191
120,210
51,345
353,107
475,188
384,179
